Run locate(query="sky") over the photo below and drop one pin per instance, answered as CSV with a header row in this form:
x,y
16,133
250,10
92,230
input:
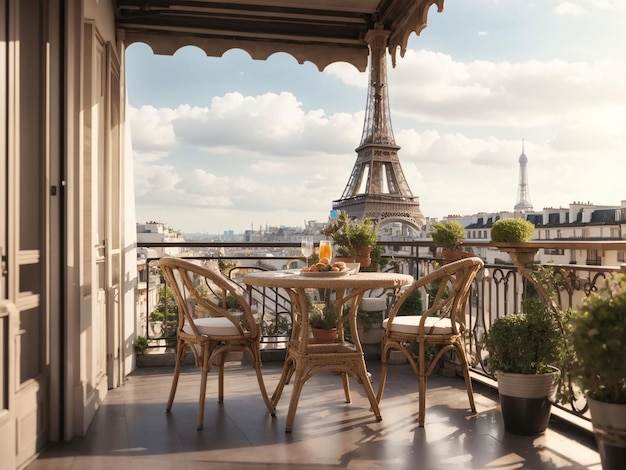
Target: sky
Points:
x,y
233,143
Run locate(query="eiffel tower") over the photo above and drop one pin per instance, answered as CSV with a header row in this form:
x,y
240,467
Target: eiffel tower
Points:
x,y
377,187
523,195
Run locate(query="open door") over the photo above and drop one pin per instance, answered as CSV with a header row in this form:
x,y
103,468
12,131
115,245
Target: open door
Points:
x,y
26,229
8,311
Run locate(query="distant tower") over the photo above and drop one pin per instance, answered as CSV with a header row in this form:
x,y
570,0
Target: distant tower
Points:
x,y
377,187
523,196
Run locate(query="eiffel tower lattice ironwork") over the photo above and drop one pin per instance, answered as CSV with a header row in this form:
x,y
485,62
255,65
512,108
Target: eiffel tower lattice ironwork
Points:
x,y
377,187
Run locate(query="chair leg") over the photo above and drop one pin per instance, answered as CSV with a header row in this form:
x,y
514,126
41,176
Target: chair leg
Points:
x,y
422,383
285,376
384,361
180,352
346,387
298,383
369,391
460,350
220,373
203,381
256,363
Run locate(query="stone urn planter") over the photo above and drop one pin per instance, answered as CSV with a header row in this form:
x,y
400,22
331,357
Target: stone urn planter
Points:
x,y
521,254
370,333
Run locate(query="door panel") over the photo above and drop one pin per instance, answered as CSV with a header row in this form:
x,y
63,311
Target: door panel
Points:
x,y
94,192
113,225
8,311
26,229
8,319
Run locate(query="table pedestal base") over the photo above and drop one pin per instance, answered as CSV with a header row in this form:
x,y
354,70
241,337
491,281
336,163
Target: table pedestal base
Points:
x,y
336,357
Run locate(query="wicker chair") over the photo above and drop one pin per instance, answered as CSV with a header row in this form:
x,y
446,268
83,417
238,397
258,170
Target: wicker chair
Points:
x,y
212,337
442,325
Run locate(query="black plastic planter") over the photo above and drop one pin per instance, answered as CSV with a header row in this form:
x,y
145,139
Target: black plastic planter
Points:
x,y
525,416
526,401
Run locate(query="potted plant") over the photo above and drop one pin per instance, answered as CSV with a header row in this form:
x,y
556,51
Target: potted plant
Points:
x,y
523,350
141,344
599,341
323,323
508,234
164,317
450,235
512,230
354,239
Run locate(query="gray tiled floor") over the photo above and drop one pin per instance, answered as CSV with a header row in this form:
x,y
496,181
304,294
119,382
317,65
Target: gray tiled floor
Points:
x,y
133,431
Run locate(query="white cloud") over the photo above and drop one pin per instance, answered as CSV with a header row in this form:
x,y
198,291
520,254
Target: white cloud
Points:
x,y
151,127
254,159
259,124
582,7
435,88
347,74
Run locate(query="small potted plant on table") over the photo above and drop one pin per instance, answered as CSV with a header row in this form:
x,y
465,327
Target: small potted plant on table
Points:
x,y
354,239
599,340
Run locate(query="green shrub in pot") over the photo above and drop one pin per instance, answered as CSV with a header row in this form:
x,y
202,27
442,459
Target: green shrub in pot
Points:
x,y
323,319
599,340
524,343
449,234
355,241
350,235
512,230
525,352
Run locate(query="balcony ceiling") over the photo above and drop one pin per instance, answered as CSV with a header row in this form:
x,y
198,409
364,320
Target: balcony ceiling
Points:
x,y
319,31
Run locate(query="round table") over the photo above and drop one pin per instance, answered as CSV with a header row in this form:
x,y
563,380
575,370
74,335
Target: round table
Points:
x,y
305,357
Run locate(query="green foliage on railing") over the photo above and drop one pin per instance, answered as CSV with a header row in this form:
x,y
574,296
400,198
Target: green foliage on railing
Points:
x,y
166,311
141,344
525,343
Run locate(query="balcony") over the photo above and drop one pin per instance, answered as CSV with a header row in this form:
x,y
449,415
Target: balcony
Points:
x,y
132,429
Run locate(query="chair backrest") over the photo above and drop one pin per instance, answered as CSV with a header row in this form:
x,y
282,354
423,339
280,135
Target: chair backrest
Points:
x,y
210,290
448,288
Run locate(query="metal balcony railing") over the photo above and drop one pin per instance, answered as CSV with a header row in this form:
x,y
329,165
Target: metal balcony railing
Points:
x,y
497,291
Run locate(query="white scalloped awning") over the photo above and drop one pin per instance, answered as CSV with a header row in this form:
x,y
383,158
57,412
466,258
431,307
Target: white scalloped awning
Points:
x,y
318,31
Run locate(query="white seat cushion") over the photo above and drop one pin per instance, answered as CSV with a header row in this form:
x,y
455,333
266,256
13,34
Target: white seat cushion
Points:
x,y
409,324
213,326
373,304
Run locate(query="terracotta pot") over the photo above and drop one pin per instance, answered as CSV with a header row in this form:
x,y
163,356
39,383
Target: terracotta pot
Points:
x,y
363,257
324,335
448,256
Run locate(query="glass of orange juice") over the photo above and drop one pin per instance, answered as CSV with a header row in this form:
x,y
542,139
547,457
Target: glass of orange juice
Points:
x,y
326,250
